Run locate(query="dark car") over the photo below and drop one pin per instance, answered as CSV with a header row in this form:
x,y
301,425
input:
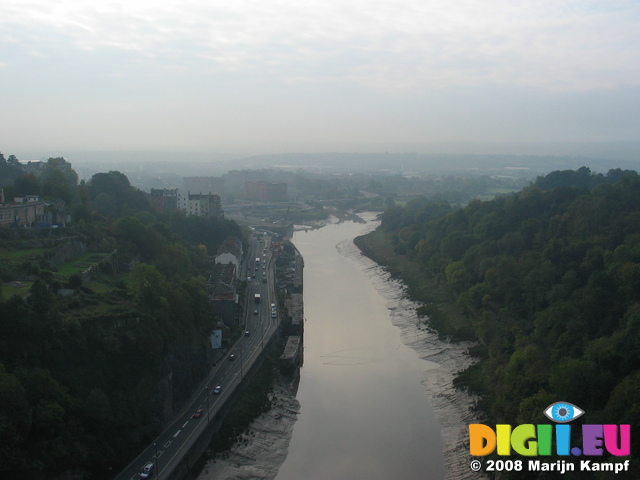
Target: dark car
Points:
x,y
217,390
232,357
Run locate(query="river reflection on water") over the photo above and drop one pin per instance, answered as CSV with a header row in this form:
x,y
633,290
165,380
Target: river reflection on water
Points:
x,y
371,381
363,411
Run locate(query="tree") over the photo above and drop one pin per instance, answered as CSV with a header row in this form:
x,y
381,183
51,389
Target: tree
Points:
x,y
24,185
458,276
56,184
122,198
112,183
149,287
14,422
10,169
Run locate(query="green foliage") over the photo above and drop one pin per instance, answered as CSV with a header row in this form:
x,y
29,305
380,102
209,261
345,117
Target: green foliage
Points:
x,y
80,374
57,184
550,280
112,195
24,185
149,288
10,169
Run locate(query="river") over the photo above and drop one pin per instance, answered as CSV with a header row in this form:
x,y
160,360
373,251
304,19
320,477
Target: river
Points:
x,y
375,399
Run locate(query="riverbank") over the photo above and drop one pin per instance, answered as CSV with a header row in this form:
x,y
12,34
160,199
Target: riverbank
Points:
x,y
259,451
434,313
438,303
264,446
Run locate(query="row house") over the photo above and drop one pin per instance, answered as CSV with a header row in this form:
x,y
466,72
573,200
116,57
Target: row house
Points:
x,y
230,251
27,211
200,205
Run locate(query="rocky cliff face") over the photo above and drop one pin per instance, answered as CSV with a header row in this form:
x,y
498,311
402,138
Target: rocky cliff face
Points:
x,y
183,368
67,249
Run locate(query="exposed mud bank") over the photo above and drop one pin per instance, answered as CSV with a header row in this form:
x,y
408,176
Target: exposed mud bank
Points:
x,y
263,448
452,407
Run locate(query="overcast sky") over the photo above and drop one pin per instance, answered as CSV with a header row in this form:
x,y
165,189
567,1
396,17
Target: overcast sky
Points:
x,y
268,76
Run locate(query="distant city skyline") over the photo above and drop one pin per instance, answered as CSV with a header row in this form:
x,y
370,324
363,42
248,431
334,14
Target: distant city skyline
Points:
x,y
250,77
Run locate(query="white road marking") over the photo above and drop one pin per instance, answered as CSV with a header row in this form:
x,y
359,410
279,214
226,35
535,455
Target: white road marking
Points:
x,y
185,424
177,433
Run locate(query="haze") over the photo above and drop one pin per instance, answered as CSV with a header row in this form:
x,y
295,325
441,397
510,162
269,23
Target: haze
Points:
x,y
261,76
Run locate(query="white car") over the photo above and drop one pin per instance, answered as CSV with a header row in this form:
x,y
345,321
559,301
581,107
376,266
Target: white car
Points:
x,y
146,470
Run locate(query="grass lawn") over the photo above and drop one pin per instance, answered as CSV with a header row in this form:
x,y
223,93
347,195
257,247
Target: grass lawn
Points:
x,y
20,254
9,291
99,287
80,264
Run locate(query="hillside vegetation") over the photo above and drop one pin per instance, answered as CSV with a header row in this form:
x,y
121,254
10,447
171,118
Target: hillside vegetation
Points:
x,y
546,279
91,368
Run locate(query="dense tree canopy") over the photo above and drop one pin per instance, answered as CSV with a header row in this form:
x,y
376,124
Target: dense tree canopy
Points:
x,y
550,279
82,364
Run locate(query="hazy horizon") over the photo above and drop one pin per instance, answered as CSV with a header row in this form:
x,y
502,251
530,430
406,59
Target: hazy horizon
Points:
x,y
250,77
614,151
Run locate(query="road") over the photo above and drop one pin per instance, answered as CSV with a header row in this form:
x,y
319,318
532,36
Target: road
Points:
x,y
168,449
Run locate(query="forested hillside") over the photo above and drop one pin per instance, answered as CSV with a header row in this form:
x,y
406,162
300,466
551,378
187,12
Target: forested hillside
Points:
x,y
549,279
89,369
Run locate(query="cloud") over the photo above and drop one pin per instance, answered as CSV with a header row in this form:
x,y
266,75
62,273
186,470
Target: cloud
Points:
x,y
379,44
193,72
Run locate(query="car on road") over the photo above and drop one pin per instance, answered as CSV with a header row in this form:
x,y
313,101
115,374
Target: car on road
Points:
x,y
146,470
232,357
198,413
217,390
246,333
255,312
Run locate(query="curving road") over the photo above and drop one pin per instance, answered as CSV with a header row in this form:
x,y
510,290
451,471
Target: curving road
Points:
x,y
169,448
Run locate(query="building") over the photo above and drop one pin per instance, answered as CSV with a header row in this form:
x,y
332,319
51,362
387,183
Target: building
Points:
x,y
33,168
164,199
201,205
266,191
27,211
230,252
221,286
37,167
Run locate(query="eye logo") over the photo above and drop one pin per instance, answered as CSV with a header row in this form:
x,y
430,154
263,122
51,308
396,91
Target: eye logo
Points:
x,y
562,412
